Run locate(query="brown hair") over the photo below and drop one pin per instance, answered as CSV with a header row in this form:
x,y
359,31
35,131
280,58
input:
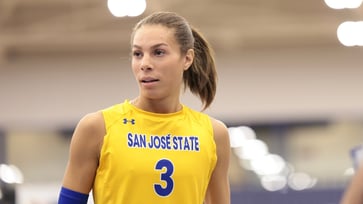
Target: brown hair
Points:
x,y
201,77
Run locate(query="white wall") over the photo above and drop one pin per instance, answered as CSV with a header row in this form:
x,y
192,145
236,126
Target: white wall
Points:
x,y
260,85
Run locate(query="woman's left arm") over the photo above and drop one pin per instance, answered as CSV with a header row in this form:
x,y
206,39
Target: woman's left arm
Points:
x,y
218,191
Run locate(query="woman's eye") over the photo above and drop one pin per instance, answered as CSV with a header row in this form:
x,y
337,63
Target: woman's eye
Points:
x,y
159,52
137,54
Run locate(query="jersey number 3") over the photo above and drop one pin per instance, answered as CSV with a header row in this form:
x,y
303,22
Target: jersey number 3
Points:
x,y
167,184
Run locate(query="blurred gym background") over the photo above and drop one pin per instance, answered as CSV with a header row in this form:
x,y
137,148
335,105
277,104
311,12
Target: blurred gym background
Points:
x,y
290,89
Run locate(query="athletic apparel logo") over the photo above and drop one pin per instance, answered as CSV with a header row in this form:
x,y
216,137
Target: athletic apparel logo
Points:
x,y
132,121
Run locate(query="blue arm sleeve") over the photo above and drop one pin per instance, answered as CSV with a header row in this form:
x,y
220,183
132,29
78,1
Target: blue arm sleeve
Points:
x,y
68,196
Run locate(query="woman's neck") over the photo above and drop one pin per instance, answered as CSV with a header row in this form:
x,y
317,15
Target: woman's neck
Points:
x,y
157,106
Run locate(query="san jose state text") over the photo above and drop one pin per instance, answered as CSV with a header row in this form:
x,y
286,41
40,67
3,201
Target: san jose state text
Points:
x,y
165,142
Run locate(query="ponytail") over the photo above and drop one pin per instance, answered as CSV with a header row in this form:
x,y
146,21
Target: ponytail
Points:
x,y
201,77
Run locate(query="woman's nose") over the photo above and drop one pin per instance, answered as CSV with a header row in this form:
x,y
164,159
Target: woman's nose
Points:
x,y
145,63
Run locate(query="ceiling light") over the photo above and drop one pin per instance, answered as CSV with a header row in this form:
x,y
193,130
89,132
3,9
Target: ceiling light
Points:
x,y
350,33
343,4
122,8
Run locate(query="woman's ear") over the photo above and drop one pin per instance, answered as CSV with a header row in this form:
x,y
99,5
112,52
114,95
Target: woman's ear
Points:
x,y
189,58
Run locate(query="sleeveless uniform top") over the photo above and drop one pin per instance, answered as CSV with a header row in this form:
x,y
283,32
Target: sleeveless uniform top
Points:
x,y
154,158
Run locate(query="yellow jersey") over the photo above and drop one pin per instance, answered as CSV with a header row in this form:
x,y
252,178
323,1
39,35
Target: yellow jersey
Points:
x,y
154,158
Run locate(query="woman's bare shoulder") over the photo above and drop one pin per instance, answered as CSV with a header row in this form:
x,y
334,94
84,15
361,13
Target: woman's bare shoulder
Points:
x,y
220,131
90,128
92,120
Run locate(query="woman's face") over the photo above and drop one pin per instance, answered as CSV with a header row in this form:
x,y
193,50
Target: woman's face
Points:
x,y
157,62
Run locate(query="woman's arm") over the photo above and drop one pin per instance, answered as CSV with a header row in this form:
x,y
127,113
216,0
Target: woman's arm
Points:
x,y
354,192
84,153
218,191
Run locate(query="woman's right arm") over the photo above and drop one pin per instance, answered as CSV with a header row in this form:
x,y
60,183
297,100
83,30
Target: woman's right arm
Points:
x,y
84,153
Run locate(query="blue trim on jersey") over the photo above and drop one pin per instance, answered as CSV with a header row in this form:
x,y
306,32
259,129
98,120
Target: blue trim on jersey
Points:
x,y
68,196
